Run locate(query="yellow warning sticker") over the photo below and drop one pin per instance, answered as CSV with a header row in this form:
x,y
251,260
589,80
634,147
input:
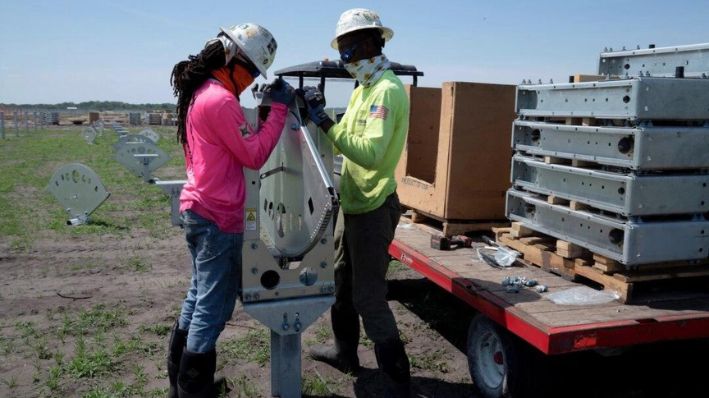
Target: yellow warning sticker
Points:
x,y
251,219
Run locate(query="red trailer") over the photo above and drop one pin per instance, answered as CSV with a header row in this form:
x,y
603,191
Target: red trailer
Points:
x,y
494,356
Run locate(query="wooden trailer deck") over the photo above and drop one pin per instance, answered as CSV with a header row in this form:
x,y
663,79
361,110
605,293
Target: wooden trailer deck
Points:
x,y
550,327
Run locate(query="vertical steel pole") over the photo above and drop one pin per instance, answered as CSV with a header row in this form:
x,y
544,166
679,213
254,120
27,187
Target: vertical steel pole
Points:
x,y
2,125
285,365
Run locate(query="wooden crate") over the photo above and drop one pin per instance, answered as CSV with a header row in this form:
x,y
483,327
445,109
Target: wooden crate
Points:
x,y
444,227
577,264
456,164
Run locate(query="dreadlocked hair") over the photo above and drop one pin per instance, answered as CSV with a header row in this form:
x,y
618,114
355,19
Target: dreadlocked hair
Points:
x,y
187,76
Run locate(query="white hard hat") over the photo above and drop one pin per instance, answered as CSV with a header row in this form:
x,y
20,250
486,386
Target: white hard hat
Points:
x,y
256,43
358,19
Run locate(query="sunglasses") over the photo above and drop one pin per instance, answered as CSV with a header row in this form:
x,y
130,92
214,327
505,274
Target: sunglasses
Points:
x,y
347,54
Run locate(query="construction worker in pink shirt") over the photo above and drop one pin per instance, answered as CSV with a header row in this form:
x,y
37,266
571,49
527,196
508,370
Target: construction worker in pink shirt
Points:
x,y
218,143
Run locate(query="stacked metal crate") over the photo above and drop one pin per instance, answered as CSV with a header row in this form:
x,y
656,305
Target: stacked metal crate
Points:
x,y
620,167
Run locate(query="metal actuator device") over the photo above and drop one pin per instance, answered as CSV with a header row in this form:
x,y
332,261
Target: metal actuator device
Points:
x,y
288,254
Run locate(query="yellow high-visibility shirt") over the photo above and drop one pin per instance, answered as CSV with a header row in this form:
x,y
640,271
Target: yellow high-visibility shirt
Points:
x,y
371,136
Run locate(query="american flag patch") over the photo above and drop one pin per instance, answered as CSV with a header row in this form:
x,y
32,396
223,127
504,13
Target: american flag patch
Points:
x,y
378,111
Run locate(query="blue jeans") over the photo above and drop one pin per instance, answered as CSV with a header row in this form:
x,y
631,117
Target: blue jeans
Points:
x,y
216,281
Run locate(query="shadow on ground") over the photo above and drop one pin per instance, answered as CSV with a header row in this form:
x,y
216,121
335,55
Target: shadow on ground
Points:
x,y
670,369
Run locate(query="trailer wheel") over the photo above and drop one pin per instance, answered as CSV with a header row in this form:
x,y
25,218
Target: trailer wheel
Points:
x,y
493,359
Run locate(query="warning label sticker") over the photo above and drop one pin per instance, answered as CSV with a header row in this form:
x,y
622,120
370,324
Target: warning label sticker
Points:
x,y
251,219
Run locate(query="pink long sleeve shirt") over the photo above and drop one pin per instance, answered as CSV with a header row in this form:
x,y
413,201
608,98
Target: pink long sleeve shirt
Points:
x,y
220,145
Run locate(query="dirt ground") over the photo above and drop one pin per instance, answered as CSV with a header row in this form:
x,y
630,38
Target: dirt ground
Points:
x,y
105,293
89,317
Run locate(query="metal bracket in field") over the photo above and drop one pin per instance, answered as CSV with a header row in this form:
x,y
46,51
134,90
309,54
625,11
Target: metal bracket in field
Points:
x,y
660,61
633,242
173,188
120,130
645,147
624,194
646,98
141,158
79,190
150,133
133,139
89,134
98,126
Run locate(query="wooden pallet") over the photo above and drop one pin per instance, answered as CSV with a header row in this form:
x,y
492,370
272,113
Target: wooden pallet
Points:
x,y
575,263
453,227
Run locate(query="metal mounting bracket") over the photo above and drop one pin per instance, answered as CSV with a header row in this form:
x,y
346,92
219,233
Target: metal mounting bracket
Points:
x,y
645,147
150,133
660,61
89,134
172,188
631,242
79,190
645,98
288,264
625,194
141,158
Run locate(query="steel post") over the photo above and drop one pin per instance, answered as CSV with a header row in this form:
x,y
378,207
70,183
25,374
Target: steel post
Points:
x,y
2,125
285,365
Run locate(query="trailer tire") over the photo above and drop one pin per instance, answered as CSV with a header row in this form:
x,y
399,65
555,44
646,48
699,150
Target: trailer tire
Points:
x,y
495,360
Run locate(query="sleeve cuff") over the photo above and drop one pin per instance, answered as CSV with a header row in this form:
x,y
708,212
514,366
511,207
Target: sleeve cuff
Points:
x,y
279,107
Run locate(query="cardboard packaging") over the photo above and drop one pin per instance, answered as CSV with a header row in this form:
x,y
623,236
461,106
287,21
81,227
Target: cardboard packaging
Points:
x,y
456,163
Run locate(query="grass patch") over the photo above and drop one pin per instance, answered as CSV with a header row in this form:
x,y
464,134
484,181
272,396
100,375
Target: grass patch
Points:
x,y
26,207
10,382
433,361
159,329
365,341
322,333
243,387
89,363
395,266
93,320
254,347
139,264
316,385
135,344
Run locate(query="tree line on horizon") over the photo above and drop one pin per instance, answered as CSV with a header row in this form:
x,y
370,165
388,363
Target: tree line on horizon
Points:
x,y
95,106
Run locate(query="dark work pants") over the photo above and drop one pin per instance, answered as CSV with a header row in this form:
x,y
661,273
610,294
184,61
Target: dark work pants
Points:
x,y
361,263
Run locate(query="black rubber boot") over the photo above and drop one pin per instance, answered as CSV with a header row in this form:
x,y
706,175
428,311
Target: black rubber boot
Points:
x,y
196,377
392,360
343,356
178,339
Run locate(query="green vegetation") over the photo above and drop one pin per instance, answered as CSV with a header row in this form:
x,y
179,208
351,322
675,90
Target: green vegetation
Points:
x,y
434,361
29,161
254,347
243,387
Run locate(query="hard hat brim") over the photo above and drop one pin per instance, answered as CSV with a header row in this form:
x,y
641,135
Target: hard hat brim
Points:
x,y
387,34
260,68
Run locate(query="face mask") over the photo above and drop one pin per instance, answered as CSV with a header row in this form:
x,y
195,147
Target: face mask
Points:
x,y
368,71
236,80
242,78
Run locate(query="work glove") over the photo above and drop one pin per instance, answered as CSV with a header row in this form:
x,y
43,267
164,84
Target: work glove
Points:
x,y
280,91
315,102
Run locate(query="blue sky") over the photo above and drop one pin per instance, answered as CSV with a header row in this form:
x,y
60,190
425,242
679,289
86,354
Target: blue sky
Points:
x,y
55,51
